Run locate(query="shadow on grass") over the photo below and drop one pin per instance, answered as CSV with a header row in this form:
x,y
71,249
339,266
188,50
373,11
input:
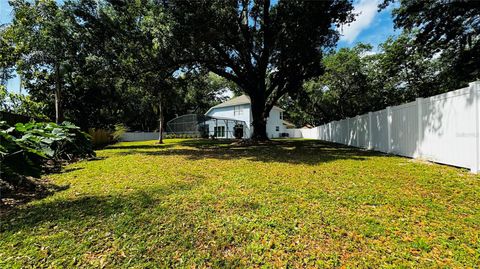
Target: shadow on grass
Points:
x,y
96,208
35,189
152,146
285,151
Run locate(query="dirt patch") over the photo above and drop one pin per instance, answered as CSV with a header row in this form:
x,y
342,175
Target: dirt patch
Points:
x,y
30,189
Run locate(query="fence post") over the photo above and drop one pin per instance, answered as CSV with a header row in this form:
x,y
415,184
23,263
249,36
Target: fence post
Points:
x,y
330,131
419,103
357,137
389,128
348,132
475,91
370,138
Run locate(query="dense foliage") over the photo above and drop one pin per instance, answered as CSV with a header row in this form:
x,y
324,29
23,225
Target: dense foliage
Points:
x,y
20,104
115,63
448,29
26,149
141,63
358,80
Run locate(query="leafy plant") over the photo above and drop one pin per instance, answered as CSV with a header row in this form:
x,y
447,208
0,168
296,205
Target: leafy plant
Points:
x,y
26,148
120,130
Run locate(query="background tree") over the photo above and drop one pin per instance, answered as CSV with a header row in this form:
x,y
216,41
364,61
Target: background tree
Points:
x,y
342,91
401,72
21,104
7,57
197,91
44,42
267,50
448,29
112,68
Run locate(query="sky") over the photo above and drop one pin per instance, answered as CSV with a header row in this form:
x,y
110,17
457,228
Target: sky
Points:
x,y
370,26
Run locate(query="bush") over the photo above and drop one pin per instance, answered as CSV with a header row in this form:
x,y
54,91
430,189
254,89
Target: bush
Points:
x,y
100,137
25,149
120,130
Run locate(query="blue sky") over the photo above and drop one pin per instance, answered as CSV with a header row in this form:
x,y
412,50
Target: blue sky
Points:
x,y
371,27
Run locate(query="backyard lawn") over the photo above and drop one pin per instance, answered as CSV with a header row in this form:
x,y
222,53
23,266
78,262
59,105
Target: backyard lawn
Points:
x,y
294,203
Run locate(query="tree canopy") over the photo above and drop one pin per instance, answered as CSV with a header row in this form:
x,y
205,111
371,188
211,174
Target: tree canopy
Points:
x,y
450,29
267,50
102,62
116,60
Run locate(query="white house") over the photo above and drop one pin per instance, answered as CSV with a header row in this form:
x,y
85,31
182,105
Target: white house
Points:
x,y
239,108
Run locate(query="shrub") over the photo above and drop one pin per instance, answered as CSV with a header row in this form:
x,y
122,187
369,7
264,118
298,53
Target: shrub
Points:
x,y
26,148
100,137
120,130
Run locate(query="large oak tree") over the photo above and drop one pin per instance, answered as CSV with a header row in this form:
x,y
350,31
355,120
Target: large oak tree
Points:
x,y
267,49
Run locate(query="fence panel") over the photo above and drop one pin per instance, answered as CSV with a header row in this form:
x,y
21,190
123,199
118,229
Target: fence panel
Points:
x,y
379,130
343,132
139,136
352,132
449,129
363,131
404,130
444,128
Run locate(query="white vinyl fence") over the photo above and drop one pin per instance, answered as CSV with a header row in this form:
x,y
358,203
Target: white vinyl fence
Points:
x,y
139,136
442,128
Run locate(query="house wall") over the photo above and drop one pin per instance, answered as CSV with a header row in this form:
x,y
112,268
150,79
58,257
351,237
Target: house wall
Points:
x,y
272,122
228,112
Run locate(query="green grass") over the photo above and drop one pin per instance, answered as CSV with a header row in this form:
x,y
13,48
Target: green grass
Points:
x,y
299,203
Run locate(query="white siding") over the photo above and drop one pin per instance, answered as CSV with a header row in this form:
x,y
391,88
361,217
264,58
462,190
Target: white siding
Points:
x,y
273,121
229,112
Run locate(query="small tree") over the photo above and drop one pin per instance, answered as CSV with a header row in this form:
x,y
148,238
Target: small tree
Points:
x,y
41,32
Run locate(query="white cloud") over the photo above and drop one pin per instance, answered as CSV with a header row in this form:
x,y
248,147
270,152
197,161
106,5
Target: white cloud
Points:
x,y
366,10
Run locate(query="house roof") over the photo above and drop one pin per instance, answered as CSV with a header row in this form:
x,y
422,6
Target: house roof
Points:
x,y
236,101
239,100
288,124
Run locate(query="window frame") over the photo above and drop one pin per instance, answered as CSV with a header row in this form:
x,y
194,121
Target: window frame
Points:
x,y
219,131
237,110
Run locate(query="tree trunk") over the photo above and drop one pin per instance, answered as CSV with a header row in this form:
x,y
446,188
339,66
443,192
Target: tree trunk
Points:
x,y
160,120
259,120
58,99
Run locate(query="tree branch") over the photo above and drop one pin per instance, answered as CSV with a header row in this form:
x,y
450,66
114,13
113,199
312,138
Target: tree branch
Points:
x,y
267,39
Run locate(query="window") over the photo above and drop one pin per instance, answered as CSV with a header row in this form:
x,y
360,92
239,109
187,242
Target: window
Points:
x,y
277,128
281,115
237,110
219,131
